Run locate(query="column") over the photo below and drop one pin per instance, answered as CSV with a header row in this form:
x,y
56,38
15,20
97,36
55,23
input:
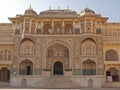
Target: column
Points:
x,y
63,25
41,27
91,26
73,26
24,27
30,26
85,25
80,26
53,32
36,24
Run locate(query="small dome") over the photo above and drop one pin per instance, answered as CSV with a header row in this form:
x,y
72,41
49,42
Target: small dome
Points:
x,y
87,11
30,11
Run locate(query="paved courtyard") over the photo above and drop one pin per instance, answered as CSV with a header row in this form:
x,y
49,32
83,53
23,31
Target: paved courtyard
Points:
x,y
70,89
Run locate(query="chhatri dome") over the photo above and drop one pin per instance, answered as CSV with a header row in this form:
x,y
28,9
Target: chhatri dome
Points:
x,y
30,11
87,11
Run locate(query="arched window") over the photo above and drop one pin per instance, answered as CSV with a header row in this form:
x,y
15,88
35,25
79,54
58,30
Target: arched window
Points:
x,y
111,55
4,74
58,28
5,55
27,47
68,28
47,29
89,67
58,50
26,67
88,48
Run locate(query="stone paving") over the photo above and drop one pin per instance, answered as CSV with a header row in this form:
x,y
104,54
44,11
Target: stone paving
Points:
x,y
70,89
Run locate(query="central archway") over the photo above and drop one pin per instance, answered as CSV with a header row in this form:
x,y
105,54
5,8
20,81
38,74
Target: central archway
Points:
x,y
58,68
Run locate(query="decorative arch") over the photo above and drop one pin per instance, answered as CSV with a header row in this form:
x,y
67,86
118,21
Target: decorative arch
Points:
x,y
88,47
90,83
26,67
111,55
68,28
57,52
23,83
27,46
47,28
58,28
89,67
58,68
112,74
4,74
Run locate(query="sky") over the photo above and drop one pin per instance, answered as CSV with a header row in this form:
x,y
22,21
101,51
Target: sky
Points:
x,y
107,8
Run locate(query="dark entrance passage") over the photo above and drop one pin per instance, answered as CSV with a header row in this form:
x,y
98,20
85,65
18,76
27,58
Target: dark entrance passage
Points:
x,y
4,74
28,70
58,68
112,75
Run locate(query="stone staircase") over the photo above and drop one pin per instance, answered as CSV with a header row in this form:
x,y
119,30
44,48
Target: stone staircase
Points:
x,y
112,85
4,84
56,82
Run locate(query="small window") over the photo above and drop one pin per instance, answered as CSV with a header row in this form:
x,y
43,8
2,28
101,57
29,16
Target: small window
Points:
x,y
77,31
38,31
17,31
98,31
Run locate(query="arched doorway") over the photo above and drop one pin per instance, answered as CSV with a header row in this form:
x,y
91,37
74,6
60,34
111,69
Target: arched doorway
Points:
x,y
90,83
89,67
26,68
57,52
4,74
58,68
112,74
23,83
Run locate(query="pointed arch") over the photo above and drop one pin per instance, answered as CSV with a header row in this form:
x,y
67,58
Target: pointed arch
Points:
x,y
88,47
89,67
68,28
23,83
26,67
58,28
111,55
58,68
112,74
27,46
57,51
4,74
90,83
46,28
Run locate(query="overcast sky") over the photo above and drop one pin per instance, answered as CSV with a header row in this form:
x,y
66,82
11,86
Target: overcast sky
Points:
x,y
107,8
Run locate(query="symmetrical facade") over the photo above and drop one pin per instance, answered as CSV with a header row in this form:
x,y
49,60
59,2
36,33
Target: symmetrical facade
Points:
x,y
83,49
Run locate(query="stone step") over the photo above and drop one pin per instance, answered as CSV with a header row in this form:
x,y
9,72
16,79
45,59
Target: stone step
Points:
x,y
112,85
4,84
56,82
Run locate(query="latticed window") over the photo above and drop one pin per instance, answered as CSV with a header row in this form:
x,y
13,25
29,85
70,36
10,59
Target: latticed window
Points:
x,y
27,47
27,25
33,28
89,67
58,50
5,55
111,55
88,48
